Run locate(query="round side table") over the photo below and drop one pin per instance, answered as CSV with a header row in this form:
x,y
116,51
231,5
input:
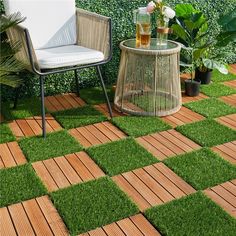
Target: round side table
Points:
x,y
149,81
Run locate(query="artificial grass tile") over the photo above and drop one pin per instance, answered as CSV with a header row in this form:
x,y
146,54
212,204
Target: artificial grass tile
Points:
x,y
95,95
93,204
121,156
6,134
208,132
211,108
218,77
25,108
217,90
202,169
56,144
138,126
18,184
80,116
193,215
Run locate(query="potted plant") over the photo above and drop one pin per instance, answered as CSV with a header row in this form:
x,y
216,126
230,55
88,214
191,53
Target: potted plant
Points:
x,y
191,29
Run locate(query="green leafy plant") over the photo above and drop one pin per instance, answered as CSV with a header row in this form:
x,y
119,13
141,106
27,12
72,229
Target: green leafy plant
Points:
x,y
9,66
191,28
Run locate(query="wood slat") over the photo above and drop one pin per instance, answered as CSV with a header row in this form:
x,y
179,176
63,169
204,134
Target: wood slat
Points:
x,y
16,153
186,99
103,109
167,143
229,120
113,230
231,83
6,156
231,100
6,225
129,228
97,232
95,134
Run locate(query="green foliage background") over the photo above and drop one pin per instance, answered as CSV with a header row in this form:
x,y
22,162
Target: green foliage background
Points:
x,y
123,28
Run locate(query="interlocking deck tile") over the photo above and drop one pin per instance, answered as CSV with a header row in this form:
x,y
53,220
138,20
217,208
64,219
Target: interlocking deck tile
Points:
x,y
186,99
103,108
1,118
32,126
233,69
33,217
167,143
231,100
98,133
227,151
224,195
231,83
184,116
229,120
63,102
152,185
136,225
64,171
11,155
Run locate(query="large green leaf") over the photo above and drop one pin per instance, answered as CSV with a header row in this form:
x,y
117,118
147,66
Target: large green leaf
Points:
x,y
212,64
184,10
225,38
180,32
228,22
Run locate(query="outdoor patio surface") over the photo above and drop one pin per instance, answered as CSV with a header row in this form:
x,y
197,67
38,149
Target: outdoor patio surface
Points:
x,y
93,176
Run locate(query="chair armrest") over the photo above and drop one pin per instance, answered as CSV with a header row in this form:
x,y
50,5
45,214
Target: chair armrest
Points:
x,y
18,34
94,31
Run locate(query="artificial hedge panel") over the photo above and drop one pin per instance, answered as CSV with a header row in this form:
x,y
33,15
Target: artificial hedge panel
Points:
x,y
123,28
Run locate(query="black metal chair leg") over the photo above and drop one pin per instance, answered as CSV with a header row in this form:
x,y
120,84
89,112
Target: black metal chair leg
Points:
x,y
104,91
77,82
42,106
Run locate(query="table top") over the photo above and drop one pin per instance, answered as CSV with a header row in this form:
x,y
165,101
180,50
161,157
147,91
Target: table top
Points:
x,y
171,47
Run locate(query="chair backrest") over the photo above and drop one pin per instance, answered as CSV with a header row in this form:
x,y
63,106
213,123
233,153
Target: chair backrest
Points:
x,y
51,23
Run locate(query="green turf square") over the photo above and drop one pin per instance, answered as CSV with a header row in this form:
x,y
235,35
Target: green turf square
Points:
x,y
90,205
56,144
121,156
211,108
138,126
208,132
218,77
217,90
95,95
194,215
25,108
6,134
202,169
80,116
18,184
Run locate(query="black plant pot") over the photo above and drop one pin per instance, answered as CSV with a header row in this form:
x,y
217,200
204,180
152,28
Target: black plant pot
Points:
x,y
192,87
204,77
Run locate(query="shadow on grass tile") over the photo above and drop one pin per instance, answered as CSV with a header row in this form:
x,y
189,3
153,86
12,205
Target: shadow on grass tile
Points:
x,y
211,108
78,117
93,204
18,184
25,108
5,134
121,156
202,169
208,132
56,144
139,126
193,215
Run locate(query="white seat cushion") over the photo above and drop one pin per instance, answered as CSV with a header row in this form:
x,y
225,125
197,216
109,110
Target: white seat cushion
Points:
x,y
67,56
51,23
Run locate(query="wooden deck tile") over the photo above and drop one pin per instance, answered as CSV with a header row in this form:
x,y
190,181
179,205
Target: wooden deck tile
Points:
x,y
224,195
186,99
167,143
152,185
231,100
32,126
63,102
184,116
231,83
11,155
229,120
227,151
61,172
95,134
136,225
33,217
232,69
103,108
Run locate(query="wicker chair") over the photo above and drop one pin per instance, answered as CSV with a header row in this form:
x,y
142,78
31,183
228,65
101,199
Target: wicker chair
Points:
x,y
57,37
